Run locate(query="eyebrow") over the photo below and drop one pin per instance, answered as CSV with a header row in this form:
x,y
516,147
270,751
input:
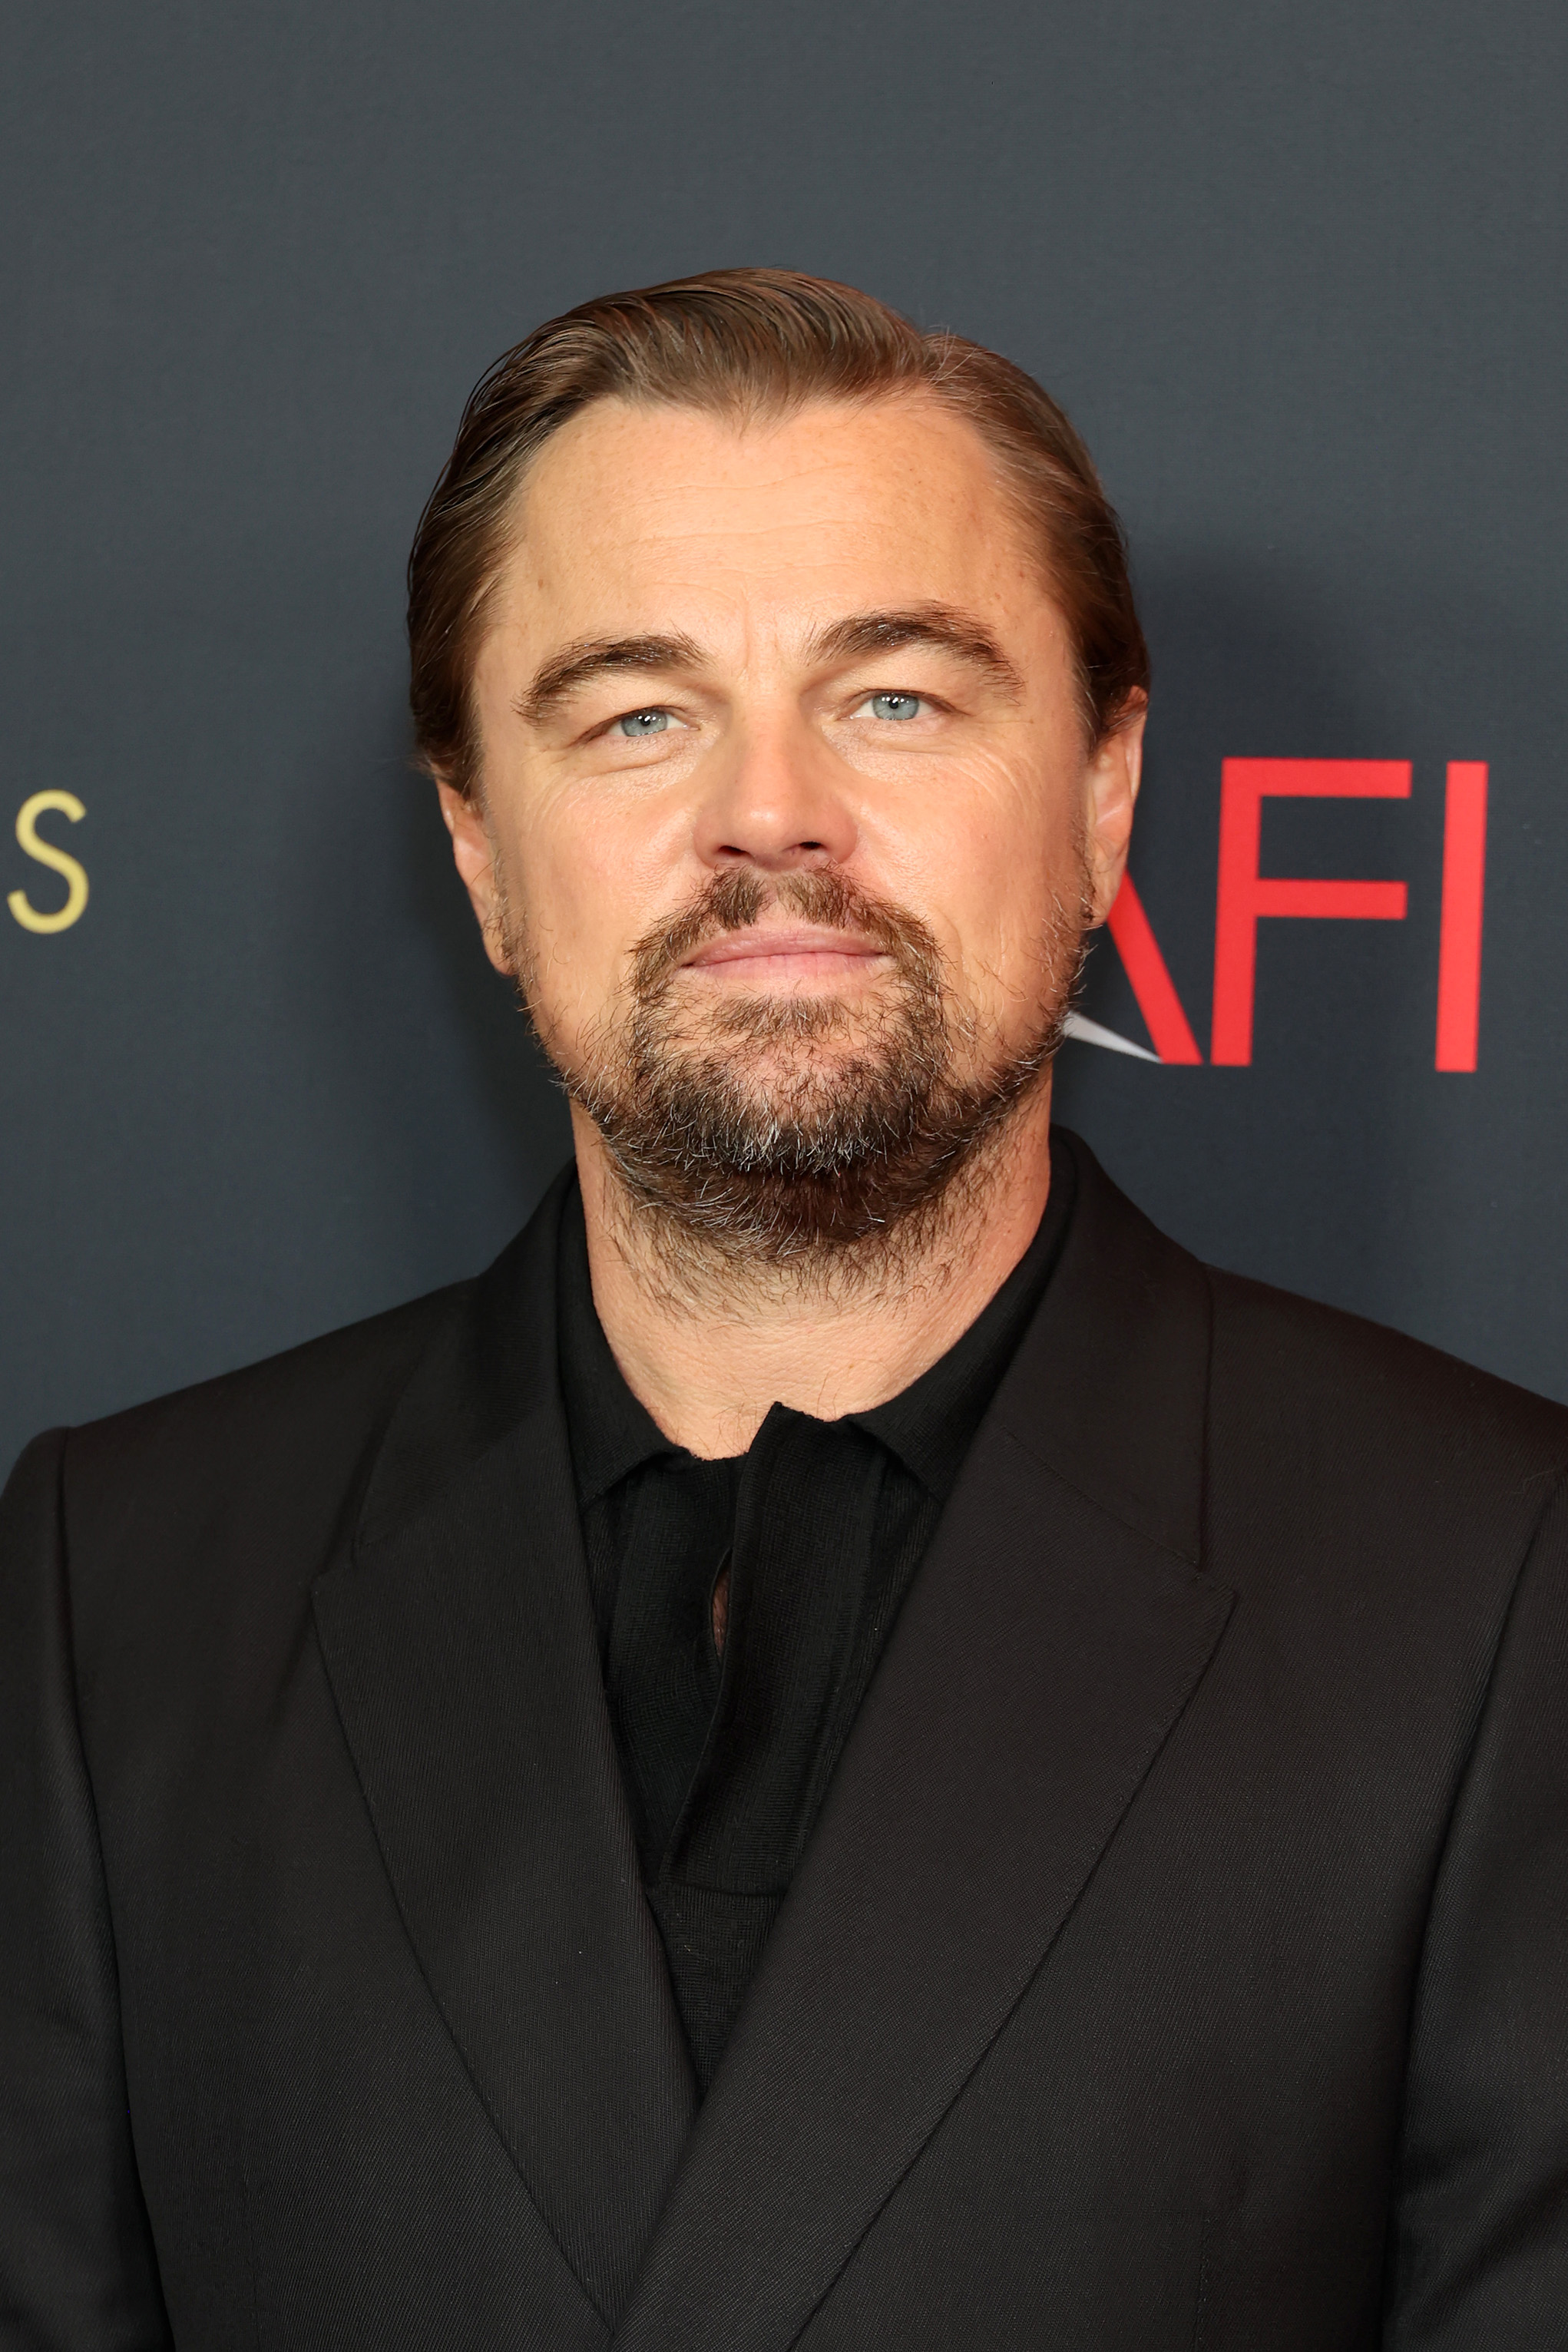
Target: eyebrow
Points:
x,y
939,626
578,664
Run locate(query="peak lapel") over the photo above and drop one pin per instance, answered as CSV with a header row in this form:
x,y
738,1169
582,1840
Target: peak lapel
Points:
x,y
461,1649
1051,1640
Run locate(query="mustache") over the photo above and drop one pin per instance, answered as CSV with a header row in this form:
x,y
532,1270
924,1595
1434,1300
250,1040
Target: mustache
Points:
x,y
737,898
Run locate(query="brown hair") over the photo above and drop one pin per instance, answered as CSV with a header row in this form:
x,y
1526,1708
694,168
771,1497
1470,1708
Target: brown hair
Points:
x,y
748,343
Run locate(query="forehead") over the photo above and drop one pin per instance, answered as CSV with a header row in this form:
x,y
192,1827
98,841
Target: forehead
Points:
x,y
892,503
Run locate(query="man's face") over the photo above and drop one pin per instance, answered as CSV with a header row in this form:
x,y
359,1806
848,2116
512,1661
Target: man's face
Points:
x,y
786,802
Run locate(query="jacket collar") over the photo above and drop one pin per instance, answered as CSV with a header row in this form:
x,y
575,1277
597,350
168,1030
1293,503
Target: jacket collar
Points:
x,y
1052,1638
461,1648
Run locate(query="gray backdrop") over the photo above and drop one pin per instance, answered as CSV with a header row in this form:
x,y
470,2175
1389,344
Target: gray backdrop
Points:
x,y
1297,272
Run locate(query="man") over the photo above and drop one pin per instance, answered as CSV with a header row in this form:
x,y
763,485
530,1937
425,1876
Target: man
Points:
x,y
849,1747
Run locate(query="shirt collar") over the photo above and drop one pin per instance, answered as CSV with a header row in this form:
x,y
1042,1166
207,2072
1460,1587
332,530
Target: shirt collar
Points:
x,y
611,1432
930,1425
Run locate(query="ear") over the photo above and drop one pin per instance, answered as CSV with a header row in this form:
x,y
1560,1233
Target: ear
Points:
x,y
473,854
1114,774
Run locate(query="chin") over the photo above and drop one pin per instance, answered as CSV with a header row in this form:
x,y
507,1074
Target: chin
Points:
x,y
786,1069
789,1022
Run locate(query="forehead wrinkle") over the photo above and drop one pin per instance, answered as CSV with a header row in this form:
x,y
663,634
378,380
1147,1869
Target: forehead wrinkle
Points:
x,y
578,664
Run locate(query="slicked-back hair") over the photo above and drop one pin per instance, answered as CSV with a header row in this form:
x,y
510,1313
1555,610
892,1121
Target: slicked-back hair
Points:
x,y
750,344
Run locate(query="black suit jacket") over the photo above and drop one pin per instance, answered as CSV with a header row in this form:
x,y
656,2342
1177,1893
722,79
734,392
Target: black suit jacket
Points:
x,y
1180,1959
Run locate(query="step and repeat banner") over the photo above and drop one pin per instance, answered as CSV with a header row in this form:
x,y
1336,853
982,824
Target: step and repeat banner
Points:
x,y
1296,273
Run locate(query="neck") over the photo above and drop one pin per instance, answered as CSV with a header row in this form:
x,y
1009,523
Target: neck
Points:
x,y
709,1347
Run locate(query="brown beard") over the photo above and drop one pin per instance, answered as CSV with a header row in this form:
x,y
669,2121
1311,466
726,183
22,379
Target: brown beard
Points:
x,y
831,1154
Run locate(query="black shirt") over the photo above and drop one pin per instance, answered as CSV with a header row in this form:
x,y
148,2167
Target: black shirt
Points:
x,y
821,1525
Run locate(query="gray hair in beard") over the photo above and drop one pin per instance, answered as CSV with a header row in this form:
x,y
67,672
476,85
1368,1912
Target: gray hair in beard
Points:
x,y
834,1155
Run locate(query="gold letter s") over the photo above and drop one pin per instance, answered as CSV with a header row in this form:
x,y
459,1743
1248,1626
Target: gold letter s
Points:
x,y
27,817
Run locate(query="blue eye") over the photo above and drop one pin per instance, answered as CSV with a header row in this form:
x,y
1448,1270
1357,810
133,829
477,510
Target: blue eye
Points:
x,y
895,706
643,722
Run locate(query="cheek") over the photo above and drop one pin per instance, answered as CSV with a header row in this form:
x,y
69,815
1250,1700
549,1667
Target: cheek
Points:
x,y
585,887
980,861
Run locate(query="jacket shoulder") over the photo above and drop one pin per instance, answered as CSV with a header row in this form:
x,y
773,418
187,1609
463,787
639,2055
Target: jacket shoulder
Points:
x,y
340,1373
290,1437
1311,1383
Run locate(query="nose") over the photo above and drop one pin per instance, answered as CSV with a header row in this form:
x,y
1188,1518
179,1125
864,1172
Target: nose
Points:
x,y
776,802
